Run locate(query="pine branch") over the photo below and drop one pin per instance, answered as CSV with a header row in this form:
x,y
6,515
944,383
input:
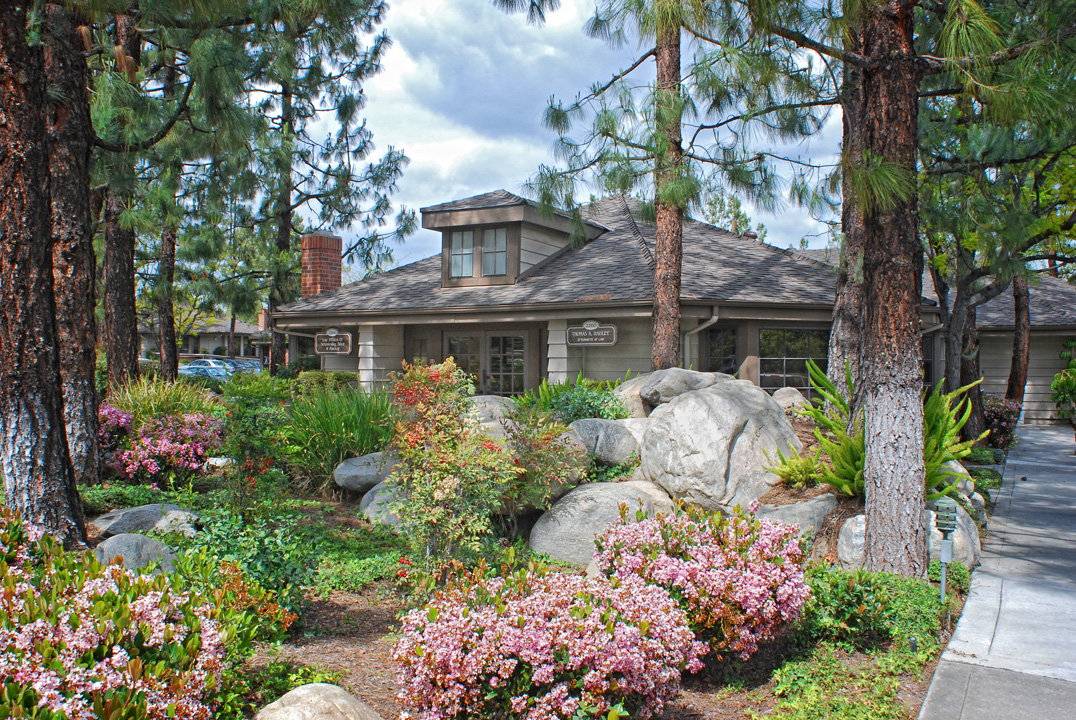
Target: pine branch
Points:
x,y
807,43
933,65
112,146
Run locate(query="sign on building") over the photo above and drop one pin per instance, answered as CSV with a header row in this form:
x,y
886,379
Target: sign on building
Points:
x,y
332,342
592,333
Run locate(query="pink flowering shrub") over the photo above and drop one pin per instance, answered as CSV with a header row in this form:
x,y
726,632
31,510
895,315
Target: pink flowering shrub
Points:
x,y
1001,416
79,640
543,646
739,579
165,445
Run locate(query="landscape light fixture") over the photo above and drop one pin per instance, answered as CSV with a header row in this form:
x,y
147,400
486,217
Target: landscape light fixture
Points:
x,y
945,520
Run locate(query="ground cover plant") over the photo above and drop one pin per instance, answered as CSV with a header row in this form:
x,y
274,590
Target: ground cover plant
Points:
x,y
569,402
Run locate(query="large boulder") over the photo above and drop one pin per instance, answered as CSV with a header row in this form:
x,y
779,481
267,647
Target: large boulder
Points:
x,y
490,411
628,394
661,500
145,518
376,505
960,475
607,440
663,385
318,701
790,399
566,531
637,427
711,447
851,542
135,552
807,514
361,474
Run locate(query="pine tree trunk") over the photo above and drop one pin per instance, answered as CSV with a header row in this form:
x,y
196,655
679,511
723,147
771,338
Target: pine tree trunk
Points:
x,y
1021,340
166,270
969,373
121,320
73,263
953,336
39,484
668,247
280,280
231,338
882,125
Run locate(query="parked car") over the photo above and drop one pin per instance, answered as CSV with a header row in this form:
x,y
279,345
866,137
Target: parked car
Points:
x,y
212,363
216,373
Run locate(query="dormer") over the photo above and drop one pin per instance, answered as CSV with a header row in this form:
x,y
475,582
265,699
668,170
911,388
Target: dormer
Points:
x,y
494,238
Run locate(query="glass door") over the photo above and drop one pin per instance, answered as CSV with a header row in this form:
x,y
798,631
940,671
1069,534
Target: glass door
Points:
x,y
467,352
496,359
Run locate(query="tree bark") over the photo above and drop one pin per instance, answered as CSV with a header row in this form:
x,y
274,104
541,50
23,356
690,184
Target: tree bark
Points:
x,y
668,243
278,292
969,373
1021,340
121,319
166,270
231,338
882,121
73,262
39,484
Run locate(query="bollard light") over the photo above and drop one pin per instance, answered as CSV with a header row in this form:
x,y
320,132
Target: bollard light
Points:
x,y
945,520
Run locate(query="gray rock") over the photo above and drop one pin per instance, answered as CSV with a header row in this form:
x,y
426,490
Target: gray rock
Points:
x,y
966,546
566,531
145,518
637,427
607,440
361,474
978,504
711,447
791,399
852,542
965,482
219,462
490,411
662,502
664,385
318,701
808,514
628,394
376,505
136,552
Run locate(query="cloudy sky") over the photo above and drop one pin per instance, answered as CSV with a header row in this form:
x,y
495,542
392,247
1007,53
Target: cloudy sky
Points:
x,y
463,90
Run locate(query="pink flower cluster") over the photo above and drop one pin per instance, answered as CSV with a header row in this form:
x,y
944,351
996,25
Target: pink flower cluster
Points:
x,y
543,647
1001,416
74,635
173,443
740,580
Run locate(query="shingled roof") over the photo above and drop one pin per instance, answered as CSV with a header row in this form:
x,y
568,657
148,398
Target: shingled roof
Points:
x,y
1052,300
615,267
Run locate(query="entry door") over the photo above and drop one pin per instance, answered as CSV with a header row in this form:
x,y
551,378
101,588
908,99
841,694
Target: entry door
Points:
x,y
497,359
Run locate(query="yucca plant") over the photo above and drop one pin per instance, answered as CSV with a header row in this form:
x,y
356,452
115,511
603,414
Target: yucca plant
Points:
x,y
148,398
325,429
842,441
944,416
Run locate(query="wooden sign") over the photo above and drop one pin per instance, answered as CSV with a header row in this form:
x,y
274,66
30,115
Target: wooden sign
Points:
x,y
332,342
592,333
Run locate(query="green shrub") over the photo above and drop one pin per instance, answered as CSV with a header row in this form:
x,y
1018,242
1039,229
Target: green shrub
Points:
x,y
845,606
259,686
797,470
327,428
271,549
202,382
957,577
1063,386
313,382
913,610
568,402
609,473
100,499
148,368
984,456
147,398
297,366
550,463
354,557
257,386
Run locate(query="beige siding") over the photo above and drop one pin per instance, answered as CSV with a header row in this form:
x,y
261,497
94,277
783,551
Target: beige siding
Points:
x,y
381,350
995,358
631,352
537,243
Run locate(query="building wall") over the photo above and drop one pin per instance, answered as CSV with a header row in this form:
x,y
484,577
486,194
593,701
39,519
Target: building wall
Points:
x,y
380,351
631,352
344,363
995,357
537,243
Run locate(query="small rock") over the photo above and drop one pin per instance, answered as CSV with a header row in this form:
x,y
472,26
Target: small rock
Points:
x,y
851,542
978,504
318,701
664,385
219,462
790,399
145,518
566,531
592,570
490,411
628,394
361,474
376,505
136,552
808,514
607,440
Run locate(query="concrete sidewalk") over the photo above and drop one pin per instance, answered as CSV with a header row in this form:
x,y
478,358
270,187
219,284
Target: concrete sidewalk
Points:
x,y
1013,654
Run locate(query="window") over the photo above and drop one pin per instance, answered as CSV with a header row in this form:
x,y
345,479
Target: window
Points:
x,y
495,251
783,355
721,352
928,361
461,254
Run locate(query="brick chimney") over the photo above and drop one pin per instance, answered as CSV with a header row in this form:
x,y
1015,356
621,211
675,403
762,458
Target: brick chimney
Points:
x,y
321,263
